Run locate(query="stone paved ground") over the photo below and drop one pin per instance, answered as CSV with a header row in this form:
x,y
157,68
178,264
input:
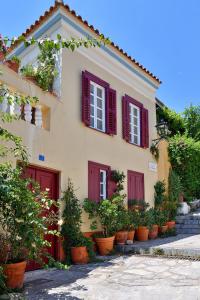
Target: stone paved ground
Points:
x,y
121,278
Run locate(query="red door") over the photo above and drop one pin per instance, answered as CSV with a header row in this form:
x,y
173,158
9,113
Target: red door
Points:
x,y
135,185
47,180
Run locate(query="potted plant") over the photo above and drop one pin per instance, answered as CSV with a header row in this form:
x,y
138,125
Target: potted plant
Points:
x,y
121,235
153,230
29,72
161,219
24,223
146,222
78,248
137,205
133,225
13,63
106,211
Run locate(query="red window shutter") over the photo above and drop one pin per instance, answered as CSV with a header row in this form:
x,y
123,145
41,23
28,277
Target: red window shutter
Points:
x,y
93,182
85,99
125,119
111,112
145,128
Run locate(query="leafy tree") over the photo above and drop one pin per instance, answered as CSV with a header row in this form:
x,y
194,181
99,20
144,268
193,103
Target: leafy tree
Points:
x,y
192,121
174,120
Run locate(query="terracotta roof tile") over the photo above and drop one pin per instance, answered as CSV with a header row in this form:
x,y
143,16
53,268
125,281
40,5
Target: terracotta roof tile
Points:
x,y
52,9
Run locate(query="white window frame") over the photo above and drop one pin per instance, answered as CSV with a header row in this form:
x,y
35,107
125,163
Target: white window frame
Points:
x,y
103,183
95,86
132,125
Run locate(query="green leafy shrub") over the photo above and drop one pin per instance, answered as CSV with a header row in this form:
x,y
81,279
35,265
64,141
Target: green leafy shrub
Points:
x,y
25,217
192,121
174,120
159,195
3,288
107,212
160,217
71,223
184,154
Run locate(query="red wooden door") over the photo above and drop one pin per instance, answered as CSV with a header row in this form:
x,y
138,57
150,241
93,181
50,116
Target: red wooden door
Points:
x,y
135,185
47,180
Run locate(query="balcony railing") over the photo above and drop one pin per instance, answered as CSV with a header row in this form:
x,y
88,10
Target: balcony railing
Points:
x,y
37,115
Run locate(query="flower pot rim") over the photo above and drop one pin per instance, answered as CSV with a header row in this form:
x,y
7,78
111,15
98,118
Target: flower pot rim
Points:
x,y
76,247
14,263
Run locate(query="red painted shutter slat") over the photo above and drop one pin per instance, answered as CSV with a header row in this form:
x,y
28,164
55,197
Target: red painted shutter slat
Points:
x,y
93,182
111,119
145,128
85,99
125,119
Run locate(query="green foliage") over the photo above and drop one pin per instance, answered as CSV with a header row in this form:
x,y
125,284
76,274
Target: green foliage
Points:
x,y
3,288
118,177
46,70
16,59
192,121
184,154
71,225
24,219
159,194
174,186
160,217
135,204
146,218
155,150
28,71
107,211
174,120
52,263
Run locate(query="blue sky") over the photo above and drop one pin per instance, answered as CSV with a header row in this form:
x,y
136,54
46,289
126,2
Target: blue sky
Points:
x,y
162,35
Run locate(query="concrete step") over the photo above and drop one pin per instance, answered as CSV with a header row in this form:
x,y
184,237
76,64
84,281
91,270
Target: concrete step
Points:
x,y
183,245
188,231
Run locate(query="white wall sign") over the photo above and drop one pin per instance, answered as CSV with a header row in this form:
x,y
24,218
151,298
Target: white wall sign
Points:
x,y
153,166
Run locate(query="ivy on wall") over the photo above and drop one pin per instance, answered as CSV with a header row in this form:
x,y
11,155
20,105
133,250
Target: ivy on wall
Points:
x,y
184,154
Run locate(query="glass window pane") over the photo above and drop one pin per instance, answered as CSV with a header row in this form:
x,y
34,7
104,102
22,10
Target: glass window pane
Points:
x,y
91,110
135,111
99,103
135,130
135,140
91,99
99,114
91,89
91,121
99,125
99,92
135,121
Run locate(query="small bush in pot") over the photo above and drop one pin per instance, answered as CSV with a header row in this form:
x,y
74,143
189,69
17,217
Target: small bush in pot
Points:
x,y
24,223
124,224
78,248
146,220
14,63
153,230
106,211
161,219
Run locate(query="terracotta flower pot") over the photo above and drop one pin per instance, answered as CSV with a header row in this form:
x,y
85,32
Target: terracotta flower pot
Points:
x,y
2,56
142,233
171,224
121,237
89,235
153,232
162,229
15,274
131,235
13,65
105,245
79,255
